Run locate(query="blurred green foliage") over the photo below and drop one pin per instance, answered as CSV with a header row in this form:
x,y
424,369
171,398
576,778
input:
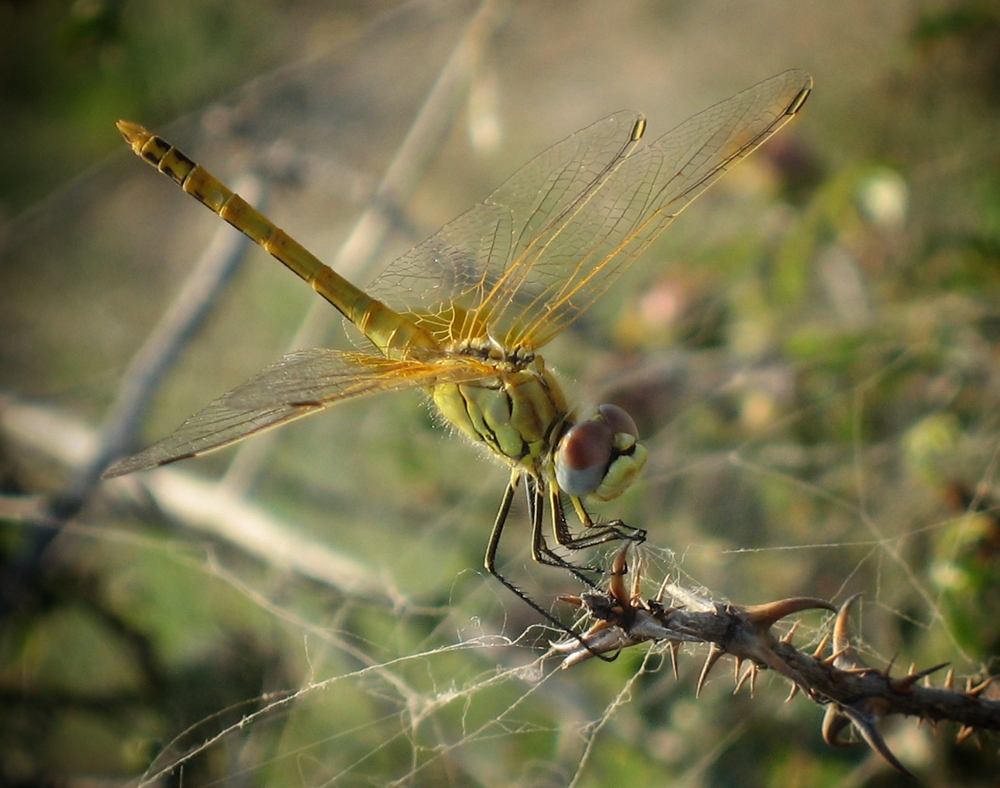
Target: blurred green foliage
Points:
x,y
814,360
69,68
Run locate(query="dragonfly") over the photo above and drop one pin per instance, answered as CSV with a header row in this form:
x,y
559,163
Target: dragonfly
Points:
x,y
463,315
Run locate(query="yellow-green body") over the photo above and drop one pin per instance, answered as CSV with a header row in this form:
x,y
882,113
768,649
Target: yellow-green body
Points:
x,y
463,314
517,412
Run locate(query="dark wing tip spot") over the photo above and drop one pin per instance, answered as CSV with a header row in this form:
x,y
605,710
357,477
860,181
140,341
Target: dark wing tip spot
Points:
x,y
799,100
638,129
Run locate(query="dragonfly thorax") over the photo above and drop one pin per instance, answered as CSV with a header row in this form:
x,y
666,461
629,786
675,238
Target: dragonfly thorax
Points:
x,y
522,415
518,412
488,349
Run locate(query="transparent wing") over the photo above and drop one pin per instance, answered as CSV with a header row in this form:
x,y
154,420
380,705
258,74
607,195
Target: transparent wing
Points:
x,y
449,279
299,384
544,246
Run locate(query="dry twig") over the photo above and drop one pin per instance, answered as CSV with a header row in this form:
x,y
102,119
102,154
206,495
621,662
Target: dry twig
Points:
x,y
852,692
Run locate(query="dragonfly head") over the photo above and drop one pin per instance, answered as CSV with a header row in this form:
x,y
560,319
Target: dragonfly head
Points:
x,y
600,457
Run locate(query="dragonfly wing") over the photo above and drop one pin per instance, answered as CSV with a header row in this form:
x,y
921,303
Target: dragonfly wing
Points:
x,y
299,384
546,244
450,278
579,255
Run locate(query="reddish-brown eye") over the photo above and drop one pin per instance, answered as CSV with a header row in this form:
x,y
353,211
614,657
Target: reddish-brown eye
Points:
x,y
583,456
618,420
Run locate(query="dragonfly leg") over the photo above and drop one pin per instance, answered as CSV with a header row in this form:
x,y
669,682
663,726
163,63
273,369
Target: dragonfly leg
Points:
x,y
540,551
535,509
594,533
498,524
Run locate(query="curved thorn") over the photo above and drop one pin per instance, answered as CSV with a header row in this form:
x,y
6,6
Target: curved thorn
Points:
x,y
834,721
841,631
714,653
765,616
865,724
821,647
905,683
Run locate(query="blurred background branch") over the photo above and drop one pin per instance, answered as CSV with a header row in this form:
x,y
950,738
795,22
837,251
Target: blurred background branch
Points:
x,y
811,352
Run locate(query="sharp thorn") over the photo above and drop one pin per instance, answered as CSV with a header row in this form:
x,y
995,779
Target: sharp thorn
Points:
x,y
673,647
714,653
765,616
787,638
740,682
905,683
818,653
975,692
865,723
662,590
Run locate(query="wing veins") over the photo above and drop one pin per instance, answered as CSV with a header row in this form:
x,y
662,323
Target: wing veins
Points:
x,y
524,263
556,224
282,392
736,122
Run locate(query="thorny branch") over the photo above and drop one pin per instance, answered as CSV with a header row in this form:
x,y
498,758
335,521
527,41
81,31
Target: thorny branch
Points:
x,y
833,675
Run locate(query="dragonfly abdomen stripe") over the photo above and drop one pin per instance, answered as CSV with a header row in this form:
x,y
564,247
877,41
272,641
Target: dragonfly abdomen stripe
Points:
x,y
390,332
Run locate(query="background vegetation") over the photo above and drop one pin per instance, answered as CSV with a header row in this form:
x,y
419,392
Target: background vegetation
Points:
x,y
811,349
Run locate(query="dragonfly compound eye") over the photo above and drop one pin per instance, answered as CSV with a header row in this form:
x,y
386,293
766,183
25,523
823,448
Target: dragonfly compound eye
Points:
x,y
600,457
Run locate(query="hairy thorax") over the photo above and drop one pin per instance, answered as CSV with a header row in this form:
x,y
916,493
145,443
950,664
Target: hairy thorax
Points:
x,y
519,412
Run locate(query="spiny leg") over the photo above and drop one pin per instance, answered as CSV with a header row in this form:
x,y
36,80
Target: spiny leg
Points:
x,y
594,533
540,551
535,510
600,534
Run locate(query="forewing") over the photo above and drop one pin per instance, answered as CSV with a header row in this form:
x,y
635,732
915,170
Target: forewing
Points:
x,y
299,384
543,247
472,263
